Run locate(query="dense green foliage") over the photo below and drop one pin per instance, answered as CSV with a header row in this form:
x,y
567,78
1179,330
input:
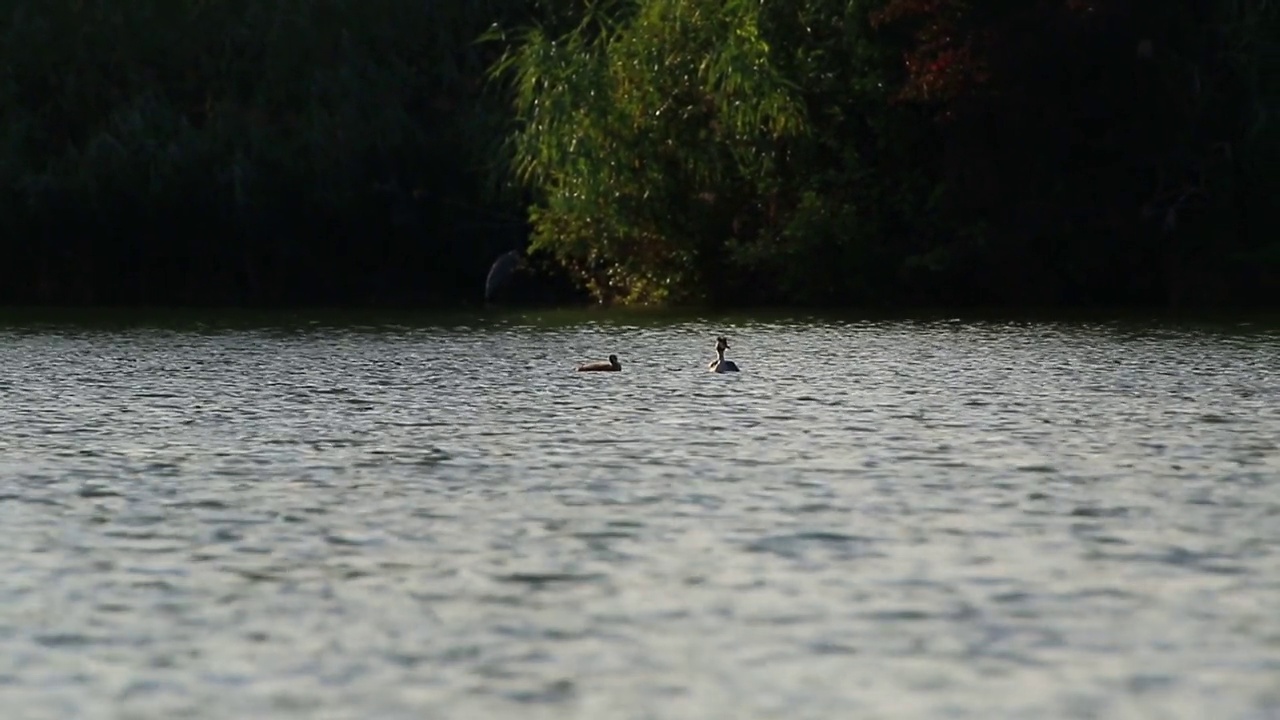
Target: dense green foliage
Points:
x,y
654,151
683,153
1052,151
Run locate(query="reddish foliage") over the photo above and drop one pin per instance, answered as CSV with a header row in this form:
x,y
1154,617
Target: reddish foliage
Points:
x,y
941,62
950,41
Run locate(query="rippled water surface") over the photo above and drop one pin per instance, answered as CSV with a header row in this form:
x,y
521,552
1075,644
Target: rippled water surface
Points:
x,y
913,519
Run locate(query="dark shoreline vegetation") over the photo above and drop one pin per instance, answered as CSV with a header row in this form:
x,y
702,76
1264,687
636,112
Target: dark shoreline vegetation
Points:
x,y
1234,321
726,153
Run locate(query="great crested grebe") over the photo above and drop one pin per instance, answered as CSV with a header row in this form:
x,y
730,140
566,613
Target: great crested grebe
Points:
x,y
611,364
720,364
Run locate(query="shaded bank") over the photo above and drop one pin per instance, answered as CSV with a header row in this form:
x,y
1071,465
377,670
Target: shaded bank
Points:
x,y
889,152
291,152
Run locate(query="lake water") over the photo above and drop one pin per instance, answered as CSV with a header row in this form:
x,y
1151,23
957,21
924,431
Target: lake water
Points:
x,y
874,519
